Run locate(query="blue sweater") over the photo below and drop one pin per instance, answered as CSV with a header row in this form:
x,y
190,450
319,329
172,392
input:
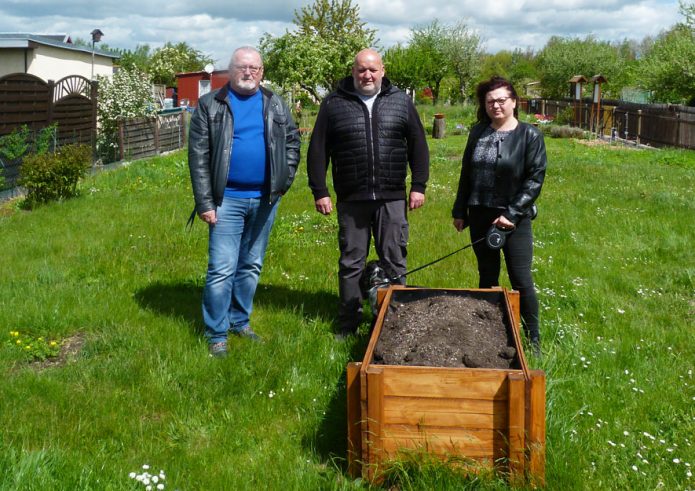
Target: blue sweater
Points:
x,y
248,169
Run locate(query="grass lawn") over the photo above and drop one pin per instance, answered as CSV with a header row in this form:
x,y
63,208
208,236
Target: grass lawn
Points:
x,y
614,265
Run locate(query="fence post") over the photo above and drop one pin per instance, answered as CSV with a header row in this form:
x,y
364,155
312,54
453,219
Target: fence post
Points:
x,y
93,95
543,107
156,134
121,139
639,124
182,128
678,130
51,92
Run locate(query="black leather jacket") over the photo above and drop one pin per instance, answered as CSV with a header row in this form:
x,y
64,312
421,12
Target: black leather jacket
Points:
x,y
519,172
210,140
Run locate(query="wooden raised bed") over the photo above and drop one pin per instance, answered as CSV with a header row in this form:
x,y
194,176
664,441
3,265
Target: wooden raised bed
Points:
x,y
493,417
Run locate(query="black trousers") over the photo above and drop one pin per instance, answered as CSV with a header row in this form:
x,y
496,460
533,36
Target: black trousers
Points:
x,y
518,255
358,221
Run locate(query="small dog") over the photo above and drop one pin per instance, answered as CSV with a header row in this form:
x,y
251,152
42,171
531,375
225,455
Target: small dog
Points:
x,y
373,277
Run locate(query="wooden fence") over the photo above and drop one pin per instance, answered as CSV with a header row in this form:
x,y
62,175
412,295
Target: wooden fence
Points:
x,y
71,103
658,125
144,137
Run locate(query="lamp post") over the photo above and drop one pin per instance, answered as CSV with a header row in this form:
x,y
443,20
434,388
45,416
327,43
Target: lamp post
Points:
x,y
96,37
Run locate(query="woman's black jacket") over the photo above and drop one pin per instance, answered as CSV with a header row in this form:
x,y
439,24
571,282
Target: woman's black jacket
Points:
x,y
519,172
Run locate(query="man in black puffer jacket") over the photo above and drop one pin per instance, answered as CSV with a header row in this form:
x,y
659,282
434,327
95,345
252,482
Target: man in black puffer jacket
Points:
x,y
370,131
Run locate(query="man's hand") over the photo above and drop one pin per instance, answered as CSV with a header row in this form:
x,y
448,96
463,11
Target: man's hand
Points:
x,y
416,200
324,205
459,224
209,217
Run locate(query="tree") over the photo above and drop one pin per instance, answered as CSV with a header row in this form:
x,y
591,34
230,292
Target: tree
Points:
x,y
128,94
402,67
462,48
668,69
562,58
429,42
137,59
171,59
320,51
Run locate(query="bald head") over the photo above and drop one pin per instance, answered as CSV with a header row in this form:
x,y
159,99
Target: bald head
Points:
x,y
367,72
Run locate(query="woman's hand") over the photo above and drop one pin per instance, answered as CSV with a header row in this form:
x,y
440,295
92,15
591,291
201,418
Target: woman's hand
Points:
x,y
459,224
503,223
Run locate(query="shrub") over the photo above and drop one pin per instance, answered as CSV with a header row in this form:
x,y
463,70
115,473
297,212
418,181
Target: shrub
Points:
x,y
128,94
16,144
566,132
55,176
566,116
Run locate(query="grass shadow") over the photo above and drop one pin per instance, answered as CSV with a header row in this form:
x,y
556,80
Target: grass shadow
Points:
x,y
329,441
175,300
183,299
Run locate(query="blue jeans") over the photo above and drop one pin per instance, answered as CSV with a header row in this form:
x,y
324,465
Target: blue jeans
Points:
x,y
236,250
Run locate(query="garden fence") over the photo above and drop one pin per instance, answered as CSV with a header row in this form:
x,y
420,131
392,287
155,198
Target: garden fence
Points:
x,y
657,125
70,103
144,137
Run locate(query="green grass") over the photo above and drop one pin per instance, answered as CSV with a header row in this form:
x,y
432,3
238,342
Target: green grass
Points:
x,y
614,266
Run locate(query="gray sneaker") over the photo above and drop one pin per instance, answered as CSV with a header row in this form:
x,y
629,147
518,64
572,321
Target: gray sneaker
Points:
x,y
218,350
248,333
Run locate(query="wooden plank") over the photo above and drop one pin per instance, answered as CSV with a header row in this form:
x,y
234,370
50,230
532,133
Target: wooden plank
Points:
x,y
369,354
515,436
455,413
512,301
375,416
354,417
469,446
535,428
451,383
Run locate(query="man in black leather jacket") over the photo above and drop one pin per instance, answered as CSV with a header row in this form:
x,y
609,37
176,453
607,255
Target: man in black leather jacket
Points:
x,y
243,153
370,132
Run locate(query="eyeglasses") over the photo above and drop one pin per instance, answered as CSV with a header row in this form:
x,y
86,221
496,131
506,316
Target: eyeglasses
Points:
x,y
251,68
501,101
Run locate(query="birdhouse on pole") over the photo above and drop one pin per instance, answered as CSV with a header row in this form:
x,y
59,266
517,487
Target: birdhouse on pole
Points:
x,y
597,80
576,86
576,94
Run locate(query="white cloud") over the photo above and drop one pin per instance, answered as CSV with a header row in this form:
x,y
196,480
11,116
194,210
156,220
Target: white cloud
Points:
x,y
216,28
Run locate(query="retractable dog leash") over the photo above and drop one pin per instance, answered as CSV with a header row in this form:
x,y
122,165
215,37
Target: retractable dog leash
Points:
x,y
494,238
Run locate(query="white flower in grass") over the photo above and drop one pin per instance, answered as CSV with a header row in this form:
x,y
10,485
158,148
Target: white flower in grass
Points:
x,y
621,311
155,479
626,433
676,461
145,466
160,486
611,443
132,475
148,488
634,468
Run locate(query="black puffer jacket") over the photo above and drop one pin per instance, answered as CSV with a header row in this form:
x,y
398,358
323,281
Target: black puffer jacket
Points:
x,y
369,156
210,145
519,172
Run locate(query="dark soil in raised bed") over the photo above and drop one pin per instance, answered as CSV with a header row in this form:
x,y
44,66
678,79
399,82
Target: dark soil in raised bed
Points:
x,y
446,331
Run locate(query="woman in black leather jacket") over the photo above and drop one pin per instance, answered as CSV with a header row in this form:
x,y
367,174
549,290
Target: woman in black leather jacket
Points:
x,y
501,177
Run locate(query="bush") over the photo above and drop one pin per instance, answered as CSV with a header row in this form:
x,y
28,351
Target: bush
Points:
x,y
48,177
566,116
566,132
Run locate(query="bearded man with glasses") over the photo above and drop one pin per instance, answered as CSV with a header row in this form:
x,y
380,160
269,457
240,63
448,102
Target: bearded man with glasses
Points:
x,y
243,153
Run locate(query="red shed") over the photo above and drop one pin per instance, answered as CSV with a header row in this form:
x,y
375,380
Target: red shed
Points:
x,y
193,85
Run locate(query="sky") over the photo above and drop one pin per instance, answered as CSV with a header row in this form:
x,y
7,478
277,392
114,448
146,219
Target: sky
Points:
x,y
216,27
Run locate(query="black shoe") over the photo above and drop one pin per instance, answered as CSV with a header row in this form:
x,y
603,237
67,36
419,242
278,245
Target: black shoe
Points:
x,y
344,334
248,333
536,347
218,350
